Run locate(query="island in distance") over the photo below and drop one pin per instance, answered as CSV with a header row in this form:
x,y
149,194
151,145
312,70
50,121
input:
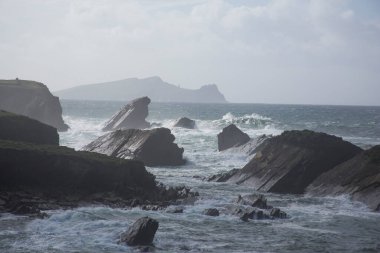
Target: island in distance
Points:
x,y
153,87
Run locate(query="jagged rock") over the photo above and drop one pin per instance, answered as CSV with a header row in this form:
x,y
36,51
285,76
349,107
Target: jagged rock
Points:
x,y
223,177
253,200
142,232
211,212
154,147
288,163
131,116
185,123
21,128
358,177
231,136
31,99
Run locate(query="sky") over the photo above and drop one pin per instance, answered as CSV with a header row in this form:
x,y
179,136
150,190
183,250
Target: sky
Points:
x,y
282,51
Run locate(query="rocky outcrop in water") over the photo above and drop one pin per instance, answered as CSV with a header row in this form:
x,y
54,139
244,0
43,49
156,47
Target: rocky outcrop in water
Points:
x,y
185,123
21,128
290,162
51,177
231,136
31,99
131,116
211,212
141,233
155,147
359,177
254,207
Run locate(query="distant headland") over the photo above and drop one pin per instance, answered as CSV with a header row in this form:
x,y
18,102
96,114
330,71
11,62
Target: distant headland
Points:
x,y
154,87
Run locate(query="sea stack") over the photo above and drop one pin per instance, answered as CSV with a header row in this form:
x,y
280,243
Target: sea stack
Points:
x,y
131,116
31,99
155,147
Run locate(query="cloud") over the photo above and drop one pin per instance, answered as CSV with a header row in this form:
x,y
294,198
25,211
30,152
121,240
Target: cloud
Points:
x,y
260,46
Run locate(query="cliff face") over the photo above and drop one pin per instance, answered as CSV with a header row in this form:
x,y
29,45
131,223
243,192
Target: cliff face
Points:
x,y
32,99
20,128
153,87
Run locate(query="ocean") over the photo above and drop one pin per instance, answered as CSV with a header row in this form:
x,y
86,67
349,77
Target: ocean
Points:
x,y
330,224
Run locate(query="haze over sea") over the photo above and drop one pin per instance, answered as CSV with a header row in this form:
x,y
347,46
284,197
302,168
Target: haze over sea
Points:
x,y
315,224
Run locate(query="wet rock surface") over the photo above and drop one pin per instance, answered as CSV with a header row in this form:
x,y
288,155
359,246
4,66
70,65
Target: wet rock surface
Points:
x,y
359,177
185,123
154,147
141,233
131,116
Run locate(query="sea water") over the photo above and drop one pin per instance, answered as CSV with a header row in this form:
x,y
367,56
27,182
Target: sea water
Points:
x,y
331,224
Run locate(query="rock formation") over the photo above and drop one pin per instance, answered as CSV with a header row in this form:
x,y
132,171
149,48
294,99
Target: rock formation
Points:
x,y
358,177
141,233
231,136
131,116
31,99
21,128
254,207
51,177
155,147
185,123
288,163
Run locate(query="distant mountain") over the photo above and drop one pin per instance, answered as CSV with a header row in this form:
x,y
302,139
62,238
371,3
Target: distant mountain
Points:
x,y
153,87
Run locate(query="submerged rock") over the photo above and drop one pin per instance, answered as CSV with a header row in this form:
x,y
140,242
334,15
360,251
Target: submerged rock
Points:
x,y
231,136
31,99
141,233
21,128
211,212
288,163
359,177
131,116
155,147
185,123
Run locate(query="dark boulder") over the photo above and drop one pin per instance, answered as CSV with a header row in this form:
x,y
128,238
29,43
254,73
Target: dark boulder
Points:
x,y
31,99
141,233
131,116
185,123
358,177
155,147
288,163
231,136
211,212
21,128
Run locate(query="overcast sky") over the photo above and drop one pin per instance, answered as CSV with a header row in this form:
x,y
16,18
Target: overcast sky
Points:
x,y
309,52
